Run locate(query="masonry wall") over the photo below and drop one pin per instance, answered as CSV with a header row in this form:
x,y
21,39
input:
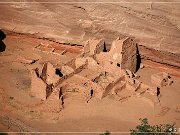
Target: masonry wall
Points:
x,y
71,74
129,55
111,85
38,86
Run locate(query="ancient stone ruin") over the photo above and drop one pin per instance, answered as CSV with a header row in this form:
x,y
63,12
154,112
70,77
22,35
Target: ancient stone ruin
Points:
x,y
43,83
123,53
38,86
95,73
161,79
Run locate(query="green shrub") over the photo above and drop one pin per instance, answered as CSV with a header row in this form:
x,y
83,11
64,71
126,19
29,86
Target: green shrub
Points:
x,y
3,133
145,129
106,133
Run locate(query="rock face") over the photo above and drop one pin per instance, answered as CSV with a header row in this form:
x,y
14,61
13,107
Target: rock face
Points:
x,y
154,24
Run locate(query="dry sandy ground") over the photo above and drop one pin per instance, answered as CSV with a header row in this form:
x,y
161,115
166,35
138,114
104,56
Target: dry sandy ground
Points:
x,y
17,111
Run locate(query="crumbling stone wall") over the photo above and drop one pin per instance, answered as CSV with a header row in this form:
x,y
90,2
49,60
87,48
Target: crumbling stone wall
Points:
x,y
124,54
42,84
38,86
98,90
97,77
129,55
49,74
115,53
161,79
119,87
93,46
79,69
80,61
71,63
53,103
93,65
66,70
111,85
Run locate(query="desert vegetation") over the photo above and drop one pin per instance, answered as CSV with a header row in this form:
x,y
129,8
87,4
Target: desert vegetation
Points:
x,y
145,128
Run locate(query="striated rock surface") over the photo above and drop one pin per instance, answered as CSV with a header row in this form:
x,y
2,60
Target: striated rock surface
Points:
x,y
154,24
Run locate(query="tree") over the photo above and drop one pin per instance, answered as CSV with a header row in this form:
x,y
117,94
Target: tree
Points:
x,y
106,133
145,128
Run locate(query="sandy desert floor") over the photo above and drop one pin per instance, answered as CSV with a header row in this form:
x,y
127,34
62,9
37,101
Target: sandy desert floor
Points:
x,y
18,109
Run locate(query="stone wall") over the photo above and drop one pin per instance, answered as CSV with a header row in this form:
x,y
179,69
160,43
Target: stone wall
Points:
x,y
49,74
93,46
79,69
110,86
38,86
129,55
97,89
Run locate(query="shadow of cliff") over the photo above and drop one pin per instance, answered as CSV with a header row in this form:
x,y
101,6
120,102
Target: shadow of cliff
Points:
x,y
2,45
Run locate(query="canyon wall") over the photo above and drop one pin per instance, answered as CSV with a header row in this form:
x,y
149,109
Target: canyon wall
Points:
x,y
154,24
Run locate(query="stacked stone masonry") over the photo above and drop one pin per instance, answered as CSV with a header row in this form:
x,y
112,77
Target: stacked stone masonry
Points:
x,y
95,71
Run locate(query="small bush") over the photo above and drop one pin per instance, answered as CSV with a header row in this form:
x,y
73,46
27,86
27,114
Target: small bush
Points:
x,y
3,133
106,133
145,128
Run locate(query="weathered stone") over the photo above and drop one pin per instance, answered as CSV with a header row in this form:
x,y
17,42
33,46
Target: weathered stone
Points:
x,y
161,79
123,53
93,46
38,86
66,70
92,64
49,74
25,60
79,62
142,66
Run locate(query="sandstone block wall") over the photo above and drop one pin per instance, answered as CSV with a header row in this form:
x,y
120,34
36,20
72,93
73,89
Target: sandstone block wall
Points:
x,y
66,70
79,69
111,85
123,54
42,84
79,62
129,55
93,46
93,65
119,87
49,74
97,89
115,53
38,86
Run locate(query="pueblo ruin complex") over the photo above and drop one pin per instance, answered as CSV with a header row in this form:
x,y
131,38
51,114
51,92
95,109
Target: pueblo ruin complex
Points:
x,y
96,73
88,66
51,86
